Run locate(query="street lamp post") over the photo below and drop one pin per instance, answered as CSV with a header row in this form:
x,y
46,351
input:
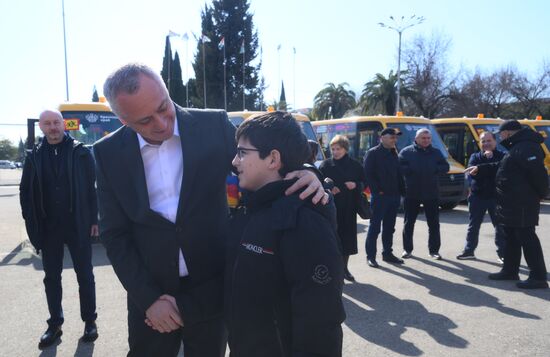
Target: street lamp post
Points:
x,y
399,26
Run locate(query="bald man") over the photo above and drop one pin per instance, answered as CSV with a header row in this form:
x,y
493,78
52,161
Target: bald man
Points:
x,y
59,206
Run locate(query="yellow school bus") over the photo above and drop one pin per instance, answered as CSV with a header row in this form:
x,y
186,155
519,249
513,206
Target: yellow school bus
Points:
x,y
363,133
461,135
89,122
237,118
86,122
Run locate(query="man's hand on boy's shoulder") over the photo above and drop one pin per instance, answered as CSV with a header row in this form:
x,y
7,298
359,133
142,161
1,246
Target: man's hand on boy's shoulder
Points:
x,y
309,180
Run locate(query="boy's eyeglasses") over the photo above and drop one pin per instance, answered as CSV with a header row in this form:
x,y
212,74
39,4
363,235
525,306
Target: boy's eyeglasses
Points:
x,y
241,151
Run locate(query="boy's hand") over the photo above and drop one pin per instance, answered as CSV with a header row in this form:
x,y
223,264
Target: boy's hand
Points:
x,y
309,180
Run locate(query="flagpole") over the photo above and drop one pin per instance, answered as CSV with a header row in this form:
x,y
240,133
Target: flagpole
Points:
x,y
65,49
186,38
244,52
294,75
279,65
203,71
224,80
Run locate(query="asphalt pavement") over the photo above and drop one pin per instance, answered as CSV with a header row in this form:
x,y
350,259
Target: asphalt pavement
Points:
x,y
423,308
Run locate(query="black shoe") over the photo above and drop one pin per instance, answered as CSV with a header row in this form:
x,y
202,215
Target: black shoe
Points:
x,y
435,256
466,256
372,263
390,258
90,332
49,337
532,284
406,255
349,277
503,276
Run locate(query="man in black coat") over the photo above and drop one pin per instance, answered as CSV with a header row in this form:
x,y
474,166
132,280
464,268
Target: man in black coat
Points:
x,y
163,214
59,206
421,165
482,198
521,182
387,186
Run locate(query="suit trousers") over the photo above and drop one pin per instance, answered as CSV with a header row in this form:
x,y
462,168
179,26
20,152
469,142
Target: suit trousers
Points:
x,y
52,260
384,213
202,339
518,238
477,206
431,209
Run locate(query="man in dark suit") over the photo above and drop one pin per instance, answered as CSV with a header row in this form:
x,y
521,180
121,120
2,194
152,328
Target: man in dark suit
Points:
x,y
163,214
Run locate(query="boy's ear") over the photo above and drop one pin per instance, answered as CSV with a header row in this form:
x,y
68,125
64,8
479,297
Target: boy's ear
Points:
x,y
275,162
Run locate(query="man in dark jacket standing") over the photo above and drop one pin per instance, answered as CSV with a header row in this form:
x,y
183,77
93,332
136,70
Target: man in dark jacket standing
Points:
x,y
521,182
421,164
59,206
482,197
386,184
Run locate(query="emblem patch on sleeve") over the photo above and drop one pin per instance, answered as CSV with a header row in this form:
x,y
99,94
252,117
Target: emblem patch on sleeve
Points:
x,y
321,275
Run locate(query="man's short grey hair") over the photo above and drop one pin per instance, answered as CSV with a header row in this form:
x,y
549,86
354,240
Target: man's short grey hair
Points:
x,y
422,131
126,80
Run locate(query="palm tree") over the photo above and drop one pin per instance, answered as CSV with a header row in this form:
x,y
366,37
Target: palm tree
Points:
x,y
333,101
381,93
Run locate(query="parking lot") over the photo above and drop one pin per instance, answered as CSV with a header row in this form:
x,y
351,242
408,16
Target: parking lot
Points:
x,y
425,307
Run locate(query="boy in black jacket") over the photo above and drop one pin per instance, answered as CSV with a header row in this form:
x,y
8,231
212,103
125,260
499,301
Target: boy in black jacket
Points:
x,y
285,274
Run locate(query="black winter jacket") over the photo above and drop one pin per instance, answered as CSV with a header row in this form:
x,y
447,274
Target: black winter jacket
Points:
x,y
483,186
83,200
284,277
382,171
421,168
521,179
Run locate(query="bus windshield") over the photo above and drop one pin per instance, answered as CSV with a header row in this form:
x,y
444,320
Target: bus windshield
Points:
x,y
480,128
544,130
409,132
92,125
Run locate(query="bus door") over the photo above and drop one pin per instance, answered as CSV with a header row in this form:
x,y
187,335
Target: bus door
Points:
x,y
459,140
368,137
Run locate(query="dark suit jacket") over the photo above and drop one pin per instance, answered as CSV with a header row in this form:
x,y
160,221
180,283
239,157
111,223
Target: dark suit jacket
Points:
x,y
142,245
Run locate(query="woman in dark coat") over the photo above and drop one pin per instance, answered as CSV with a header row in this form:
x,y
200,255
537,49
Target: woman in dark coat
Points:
x,y
348,177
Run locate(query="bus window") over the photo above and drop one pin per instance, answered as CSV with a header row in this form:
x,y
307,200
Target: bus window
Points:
x,y
459,141
310,134
236,120
92,126
368,137
326,133
480,128
409,132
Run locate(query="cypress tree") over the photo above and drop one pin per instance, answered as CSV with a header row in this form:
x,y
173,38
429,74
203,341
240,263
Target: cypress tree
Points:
x,y
233,21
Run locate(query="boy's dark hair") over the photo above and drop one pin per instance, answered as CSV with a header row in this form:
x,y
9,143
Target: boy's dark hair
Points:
x,y
277,131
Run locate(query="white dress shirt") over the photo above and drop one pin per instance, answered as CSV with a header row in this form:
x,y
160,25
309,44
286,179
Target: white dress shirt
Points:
x,y
163,166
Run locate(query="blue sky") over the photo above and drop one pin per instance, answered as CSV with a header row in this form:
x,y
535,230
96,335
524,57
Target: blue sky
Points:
x,y
335,42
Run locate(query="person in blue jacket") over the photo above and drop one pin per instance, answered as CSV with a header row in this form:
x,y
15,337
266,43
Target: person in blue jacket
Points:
x,y
482,198
421,165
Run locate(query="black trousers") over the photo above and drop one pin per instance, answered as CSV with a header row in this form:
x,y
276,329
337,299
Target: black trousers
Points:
x,y
52,261
203,339
431,209
518,238
384,213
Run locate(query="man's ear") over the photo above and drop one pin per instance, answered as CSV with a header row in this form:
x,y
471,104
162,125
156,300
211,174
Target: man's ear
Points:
x,y
275,160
